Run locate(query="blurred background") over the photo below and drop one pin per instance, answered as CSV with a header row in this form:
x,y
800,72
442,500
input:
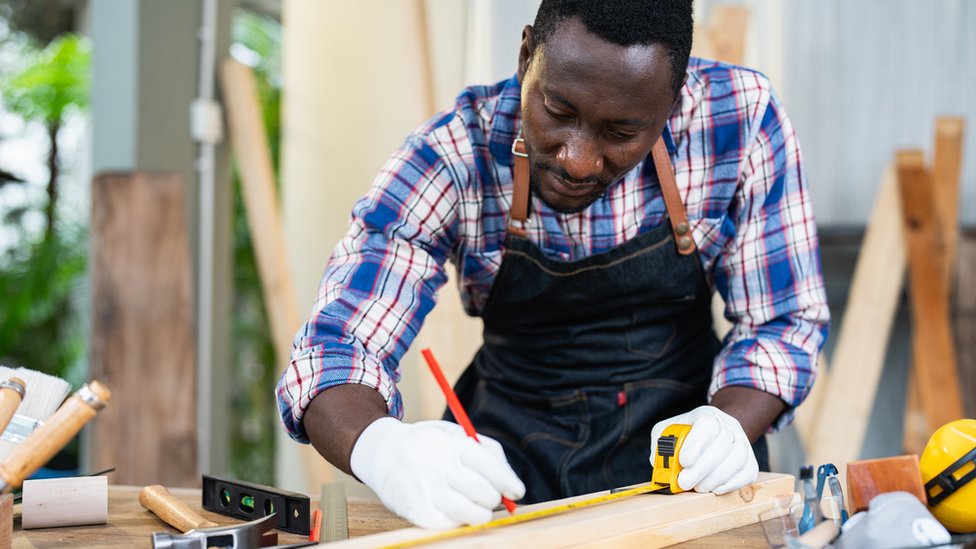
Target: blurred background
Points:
x,y
181,320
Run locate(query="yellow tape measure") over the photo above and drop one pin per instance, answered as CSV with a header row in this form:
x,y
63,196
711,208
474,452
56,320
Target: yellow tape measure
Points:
x,y
664,477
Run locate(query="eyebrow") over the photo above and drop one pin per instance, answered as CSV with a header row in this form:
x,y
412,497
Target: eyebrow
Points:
x,y
634,122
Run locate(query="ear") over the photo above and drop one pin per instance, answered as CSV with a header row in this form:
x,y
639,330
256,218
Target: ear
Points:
x,y
525,53
677,96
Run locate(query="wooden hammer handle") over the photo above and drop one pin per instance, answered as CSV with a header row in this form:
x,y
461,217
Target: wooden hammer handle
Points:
x,y
10,398
41,445
172,510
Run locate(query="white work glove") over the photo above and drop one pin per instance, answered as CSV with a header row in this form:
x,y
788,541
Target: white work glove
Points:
x,y
433,474
716,455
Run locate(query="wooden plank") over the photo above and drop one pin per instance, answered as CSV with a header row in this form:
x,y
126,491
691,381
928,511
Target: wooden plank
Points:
x,y
668,517
6,520
142,340
934,351
945,177
849,392
966,321
253,158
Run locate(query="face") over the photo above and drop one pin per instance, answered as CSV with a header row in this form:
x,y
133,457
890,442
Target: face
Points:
x,y
591,111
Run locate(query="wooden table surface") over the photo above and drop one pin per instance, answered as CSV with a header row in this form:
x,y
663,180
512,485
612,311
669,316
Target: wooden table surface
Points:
x,y
129,525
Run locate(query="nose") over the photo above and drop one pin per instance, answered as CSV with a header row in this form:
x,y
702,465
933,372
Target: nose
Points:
x,y
581,157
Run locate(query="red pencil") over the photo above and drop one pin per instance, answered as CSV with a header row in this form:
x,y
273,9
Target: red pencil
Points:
x,y
455,405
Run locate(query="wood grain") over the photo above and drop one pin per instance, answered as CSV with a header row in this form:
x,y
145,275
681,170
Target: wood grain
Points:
x,y
666,519
946,187
172,510
933,346
142,341
842,417
6,520
870,477
57,502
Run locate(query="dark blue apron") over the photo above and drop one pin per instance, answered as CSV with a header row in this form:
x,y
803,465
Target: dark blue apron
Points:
x,y
581,358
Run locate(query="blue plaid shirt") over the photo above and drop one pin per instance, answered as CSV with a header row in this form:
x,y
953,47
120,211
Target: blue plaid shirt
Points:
x,y
445,195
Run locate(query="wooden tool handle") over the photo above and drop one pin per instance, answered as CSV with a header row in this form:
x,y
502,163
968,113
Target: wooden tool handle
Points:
x,y
10,399
41,445
172,510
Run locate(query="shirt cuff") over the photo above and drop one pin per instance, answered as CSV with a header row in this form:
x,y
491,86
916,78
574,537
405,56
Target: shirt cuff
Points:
x,y
771,366
323,367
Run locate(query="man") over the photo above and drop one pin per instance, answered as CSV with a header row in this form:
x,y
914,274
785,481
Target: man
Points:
x,y
591,205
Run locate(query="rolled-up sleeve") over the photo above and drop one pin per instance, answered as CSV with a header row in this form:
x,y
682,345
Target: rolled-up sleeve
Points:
x,y
379,284
769,273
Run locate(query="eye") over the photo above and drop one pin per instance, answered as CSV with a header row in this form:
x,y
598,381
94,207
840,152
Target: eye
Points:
x,y
619,135
558,115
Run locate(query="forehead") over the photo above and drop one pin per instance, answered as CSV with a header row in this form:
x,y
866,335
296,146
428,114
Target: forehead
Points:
x,y
573,59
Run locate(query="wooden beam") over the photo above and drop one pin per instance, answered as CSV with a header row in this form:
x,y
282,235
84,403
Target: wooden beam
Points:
x,y
934,350
966,321
843,415
945,177
665,519
142,342
252,153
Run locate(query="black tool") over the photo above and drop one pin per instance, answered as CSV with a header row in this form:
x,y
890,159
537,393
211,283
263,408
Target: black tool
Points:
x,y
248,501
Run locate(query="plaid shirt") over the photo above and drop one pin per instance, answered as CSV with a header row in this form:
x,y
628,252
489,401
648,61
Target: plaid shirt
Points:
x,y
445,196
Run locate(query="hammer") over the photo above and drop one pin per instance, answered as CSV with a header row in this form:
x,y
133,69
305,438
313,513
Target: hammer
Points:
x,y
200,533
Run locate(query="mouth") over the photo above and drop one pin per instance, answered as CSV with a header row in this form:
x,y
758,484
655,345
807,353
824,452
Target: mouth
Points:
x,y
570,188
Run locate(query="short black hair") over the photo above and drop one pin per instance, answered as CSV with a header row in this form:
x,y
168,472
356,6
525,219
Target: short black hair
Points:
x,y
627,22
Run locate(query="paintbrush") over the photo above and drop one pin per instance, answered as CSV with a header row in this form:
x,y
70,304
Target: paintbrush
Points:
x,y
44,393
49,438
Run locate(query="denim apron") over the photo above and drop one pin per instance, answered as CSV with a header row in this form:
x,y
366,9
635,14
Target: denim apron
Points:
x,y
581,358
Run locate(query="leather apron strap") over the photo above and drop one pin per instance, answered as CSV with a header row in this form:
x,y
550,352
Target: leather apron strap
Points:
x,y
677,215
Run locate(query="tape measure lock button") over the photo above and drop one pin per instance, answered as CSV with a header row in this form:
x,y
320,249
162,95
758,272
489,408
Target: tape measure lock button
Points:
x,y
666,465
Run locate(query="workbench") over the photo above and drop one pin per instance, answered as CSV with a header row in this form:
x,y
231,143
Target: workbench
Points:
x,y
131,526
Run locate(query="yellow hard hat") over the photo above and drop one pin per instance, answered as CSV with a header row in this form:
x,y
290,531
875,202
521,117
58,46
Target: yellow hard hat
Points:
x,y
948,466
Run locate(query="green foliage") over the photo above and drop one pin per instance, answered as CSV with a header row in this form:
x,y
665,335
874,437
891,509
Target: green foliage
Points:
x,y
42,327
55,80
255,368
42,323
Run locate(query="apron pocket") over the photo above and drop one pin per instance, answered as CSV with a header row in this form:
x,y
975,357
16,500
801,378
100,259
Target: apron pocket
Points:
x,y
645,403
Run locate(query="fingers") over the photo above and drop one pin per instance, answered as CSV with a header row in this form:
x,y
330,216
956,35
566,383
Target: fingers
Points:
x,y
726,469
473,486
747,475
463,510
494,468
710,443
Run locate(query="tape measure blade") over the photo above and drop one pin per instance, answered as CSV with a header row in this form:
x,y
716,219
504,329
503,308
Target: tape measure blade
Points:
x,y
335,520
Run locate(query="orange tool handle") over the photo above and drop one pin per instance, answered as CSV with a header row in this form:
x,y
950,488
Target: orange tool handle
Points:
x,y
456,409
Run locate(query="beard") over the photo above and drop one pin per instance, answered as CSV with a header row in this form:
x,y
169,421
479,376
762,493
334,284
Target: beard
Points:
x,y
535,178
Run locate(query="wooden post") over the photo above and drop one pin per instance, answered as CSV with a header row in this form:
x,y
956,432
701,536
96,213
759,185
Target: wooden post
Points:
x,y
253,158
842,418
966,321
933,347
142,342
946,184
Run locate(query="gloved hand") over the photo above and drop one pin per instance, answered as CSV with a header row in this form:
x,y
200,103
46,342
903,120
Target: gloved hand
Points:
x,y
433,474
716,455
